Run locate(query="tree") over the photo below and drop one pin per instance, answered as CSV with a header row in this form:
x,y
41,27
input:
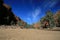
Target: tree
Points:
x,y
48,18
58,21
19,23
27,25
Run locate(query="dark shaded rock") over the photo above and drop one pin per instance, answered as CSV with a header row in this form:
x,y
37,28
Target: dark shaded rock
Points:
x,y
6,15
1,2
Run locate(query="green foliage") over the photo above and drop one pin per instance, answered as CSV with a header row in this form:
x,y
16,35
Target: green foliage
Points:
x,y
48,17
27,25
58,20
19,23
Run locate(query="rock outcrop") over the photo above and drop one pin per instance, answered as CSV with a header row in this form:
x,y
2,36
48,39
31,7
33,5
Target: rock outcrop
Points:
x,y
7,17
57,18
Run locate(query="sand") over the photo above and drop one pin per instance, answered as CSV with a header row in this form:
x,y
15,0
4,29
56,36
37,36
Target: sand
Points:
x,y
28,34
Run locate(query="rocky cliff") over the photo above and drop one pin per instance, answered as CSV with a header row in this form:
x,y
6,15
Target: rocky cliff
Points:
x,y
7,17
57,18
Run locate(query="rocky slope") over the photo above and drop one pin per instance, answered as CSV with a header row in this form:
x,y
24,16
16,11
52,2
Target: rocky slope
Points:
x,y
57,18
7,17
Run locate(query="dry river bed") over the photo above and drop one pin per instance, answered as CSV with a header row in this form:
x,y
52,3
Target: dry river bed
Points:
x,y
28,34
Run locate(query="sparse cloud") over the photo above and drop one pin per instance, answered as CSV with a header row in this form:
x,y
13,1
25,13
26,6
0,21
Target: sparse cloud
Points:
x,y
29,19
35,13
50,4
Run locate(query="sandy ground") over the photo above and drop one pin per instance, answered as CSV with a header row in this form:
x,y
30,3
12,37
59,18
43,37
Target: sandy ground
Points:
x,y
28,34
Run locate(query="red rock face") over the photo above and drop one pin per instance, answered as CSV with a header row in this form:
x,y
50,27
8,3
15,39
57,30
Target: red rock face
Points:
x,y
57,22
6,15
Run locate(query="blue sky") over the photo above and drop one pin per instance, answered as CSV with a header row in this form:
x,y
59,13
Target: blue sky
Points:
x,y
32,10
